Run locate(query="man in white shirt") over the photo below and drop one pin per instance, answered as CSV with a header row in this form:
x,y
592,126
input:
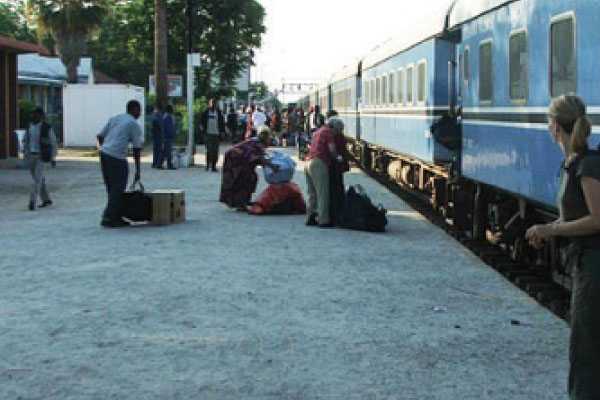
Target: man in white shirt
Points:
x,y
39,145
113,142
259,118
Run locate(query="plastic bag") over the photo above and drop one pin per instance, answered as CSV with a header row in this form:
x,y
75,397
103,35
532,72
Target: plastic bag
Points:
x,y
286,170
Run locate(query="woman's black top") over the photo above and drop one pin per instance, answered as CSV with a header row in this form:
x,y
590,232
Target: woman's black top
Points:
x,y
571,199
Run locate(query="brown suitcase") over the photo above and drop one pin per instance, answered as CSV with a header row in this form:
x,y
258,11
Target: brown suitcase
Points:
x,y
168,206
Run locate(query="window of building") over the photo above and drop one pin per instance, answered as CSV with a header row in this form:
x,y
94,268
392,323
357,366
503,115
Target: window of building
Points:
x,y
400,95
422,82
367,98
378,92
485,72
563,69
518,55
409,85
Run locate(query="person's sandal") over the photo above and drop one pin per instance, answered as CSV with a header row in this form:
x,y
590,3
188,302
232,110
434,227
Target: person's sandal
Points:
x,y
45,204
311,220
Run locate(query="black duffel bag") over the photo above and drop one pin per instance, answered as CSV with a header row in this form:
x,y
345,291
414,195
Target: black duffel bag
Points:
x,y
359,213
136,205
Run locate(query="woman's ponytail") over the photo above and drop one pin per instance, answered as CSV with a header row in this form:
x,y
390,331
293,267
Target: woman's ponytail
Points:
x,y
581,132
569,111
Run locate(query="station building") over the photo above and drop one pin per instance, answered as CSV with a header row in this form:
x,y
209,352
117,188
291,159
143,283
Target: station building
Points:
x,y
9,110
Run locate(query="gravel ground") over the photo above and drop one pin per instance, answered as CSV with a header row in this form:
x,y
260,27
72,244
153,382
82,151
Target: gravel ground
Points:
x,y
231,306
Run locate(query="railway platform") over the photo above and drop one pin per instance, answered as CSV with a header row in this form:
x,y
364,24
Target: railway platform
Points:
x,y
232,306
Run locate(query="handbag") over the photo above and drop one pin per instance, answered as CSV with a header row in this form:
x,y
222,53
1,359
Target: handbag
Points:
x,y
136,205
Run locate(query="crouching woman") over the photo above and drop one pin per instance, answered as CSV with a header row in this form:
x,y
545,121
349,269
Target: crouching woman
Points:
x,y
579,230
239,178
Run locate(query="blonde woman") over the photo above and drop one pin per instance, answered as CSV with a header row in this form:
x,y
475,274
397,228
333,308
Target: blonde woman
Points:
x,y
579,230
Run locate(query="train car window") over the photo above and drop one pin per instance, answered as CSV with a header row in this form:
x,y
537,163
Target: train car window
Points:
x,y
518,56
401,86
384,90
409,85
391,89
563,69
466,68
374,92
485,72
348,98
460,74
422,82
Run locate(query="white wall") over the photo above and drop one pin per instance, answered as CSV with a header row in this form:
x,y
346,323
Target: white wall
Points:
x,y
87,108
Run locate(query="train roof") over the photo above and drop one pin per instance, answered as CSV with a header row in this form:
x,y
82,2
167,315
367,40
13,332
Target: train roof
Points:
x,y
431,23
466,10
346,72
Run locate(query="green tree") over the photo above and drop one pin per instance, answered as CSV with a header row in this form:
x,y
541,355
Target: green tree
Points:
x,y
71,23
13,22
225,33
259,90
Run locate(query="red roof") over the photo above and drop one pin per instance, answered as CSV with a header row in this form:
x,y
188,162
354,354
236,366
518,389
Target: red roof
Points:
x,y
17,46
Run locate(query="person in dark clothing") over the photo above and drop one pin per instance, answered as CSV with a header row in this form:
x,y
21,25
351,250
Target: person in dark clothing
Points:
x,y
157,137
232,124
578,232
39,146
239,178
315,120
337,169
168,136
212,125
113,143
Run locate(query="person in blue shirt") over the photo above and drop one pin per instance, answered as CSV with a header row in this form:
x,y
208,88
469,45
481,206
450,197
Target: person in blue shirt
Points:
x,y
168,136
113,143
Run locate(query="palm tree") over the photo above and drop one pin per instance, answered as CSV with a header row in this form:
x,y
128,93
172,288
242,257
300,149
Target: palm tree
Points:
x,y
160,52
70,22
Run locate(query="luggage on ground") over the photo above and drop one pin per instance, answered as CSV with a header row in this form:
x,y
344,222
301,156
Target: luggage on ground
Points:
x,y
286,165
359,213
280,198
136,204
168,206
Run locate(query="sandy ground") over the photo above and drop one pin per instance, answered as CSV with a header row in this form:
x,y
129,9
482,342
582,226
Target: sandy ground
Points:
x,y
231,306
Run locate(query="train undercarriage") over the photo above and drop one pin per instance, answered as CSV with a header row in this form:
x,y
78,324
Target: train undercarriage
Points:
x,y
490,222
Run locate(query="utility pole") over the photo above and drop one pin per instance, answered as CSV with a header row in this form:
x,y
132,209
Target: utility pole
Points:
x,y
192,61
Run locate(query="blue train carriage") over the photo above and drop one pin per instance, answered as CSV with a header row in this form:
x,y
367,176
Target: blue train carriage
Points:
x,y
405,90
324,97
514,57
344,90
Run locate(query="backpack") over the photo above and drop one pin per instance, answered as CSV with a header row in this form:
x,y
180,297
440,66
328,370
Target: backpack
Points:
x,y
45,143
359,213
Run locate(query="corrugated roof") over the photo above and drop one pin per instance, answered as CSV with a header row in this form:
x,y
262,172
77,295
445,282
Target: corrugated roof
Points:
x,y
466,10
17,46
33,65
412,31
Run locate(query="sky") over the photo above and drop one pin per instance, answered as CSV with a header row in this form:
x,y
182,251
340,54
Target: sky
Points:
x,y
308,40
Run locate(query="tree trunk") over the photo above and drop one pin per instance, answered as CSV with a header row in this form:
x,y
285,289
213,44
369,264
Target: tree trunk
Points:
x,y
72,72
160,52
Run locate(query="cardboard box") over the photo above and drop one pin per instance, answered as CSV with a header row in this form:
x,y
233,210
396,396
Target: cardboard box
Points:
x,y
168,206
